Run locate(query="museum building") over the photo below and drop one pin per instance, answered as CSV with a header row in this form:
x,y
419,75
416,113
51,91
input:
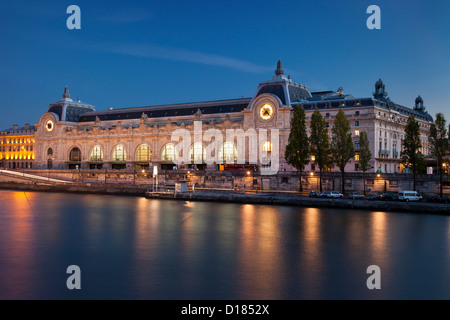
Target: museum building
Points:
x,y
73,135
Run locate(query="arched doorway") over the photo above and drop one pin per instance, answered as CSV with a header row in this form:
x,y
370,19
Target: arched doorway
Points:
x,y
168,157
143,157
96,158
198,156
75,158
49,158
119,158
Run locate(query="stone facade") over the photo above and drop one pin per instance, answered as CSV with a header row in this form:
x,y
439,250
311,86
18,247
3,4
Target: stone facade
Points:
x,y
17,147
72,135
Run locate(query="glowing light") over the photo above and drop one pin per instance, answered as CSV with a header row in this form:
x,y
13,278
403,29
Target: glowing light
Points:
x,y
311,174
267,146
266,112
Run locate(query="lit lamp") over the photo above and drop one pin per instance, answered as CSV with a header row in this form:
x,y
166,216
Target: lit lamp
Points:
x,y
311,173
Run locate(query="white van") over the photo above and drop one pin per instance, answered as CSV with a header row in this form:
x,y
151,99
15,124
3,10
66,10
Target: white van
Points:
x,y
409,196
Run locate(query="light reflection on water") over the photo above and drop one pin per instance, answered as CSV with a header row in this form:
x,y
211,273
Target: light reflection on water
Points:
x,y
134,248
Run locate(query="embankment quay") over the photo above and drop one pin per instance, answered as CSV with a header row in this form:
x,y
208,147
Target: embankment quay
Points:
x,y
227,196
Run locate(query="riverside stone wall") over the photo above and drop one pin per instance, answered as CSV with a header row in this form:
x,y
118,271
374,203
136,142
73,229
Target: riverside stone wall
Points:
x,y
284,181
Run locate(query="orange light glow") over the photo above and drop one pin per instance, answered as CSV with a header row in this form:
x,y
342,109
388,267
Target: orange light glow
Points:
x,y
20,150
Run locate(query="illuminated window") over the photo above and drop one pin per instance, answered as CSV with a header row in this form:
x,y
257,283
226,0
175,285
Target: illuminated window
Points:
x,y
267,146
143,153
313,158
75,154
227,153
356,132
356,157
119,154
168,153
198,153
96,154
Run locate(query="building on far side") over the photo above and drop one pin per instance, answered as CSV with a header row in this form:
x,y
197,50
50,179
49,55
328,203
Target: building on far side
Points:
x,y
17,147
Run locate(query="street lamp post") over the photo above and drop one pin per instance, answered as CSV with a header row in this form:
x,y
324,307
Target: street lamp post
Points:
x,y
317,181
155,176
378,176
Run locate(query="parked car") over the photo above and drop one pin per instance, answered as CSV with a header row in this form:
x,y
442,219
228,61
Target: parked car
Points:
x,y
331,194
325,194
438,199
409,196
356,195
374,197
389,197
314,194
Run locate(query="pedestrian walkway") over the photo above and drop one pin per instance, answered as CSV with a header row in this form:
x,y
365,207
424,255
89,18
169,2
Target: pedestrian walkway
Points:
x,y
27,176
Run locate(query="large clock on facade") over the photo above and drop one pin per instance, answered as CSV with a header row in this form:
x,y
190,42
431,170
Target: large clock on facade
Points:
x,y
49,125
266,112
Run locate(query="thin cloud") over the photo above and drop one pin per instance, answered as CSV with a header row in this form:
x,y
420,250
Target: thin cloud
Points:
x,y
153,51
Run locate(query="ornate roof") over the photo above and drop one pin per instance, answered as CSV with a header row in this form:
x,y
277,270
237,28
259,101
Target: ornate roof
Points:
x,y
167,111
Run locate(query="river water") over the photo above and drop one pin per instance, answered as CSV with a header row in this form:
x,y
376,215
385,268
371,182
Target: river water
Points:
x,y
135,248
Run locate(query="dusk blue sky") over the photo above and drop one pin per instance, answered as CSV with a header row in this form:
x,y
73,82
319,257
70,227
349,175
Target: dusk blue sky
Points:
x,y
140,53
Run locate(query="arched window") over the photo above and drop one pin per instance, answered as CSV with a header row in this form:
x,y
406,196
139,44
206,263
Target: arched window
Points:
x,y
49,152
198,153
119,154
96,154
267,146
75,154
168,153
143,153
228,153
